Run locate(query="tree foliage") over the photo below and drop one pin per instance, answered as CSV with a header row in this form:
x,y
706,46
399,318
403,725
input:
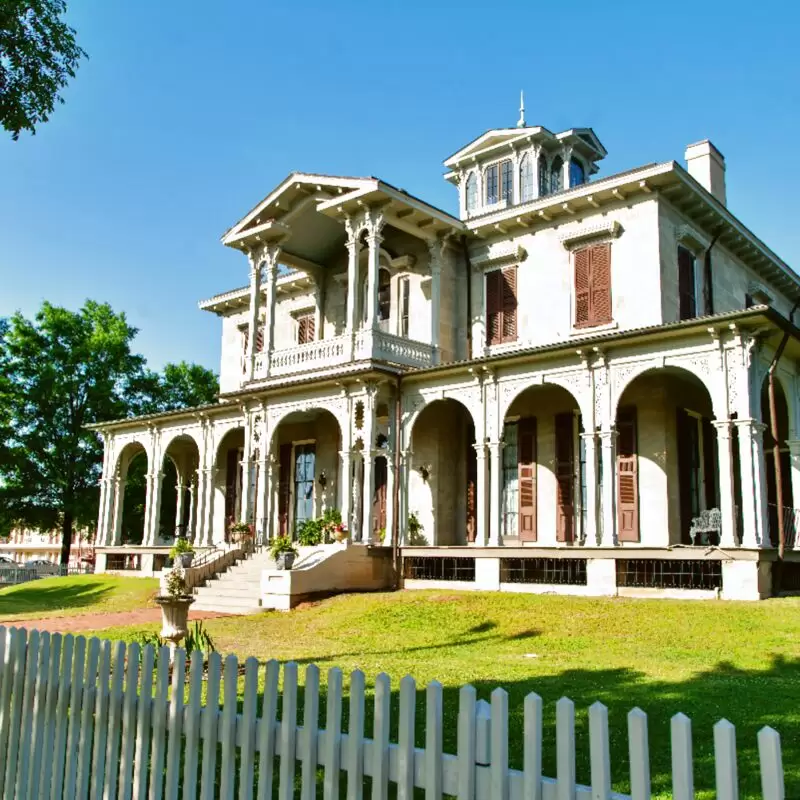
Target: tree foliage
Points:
x,y
38,54
58,373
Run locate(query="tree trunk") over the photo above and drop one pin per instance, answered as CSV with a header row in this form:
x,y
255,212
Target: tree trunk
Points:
x,y
66,536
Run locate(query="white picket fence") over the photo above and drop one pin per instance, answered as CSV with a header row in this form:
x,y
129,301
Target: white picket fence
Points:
x,y
85,719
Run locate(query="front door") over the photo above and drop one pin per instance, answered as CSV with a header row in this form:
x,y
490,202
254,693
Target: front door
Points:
x,y
304,472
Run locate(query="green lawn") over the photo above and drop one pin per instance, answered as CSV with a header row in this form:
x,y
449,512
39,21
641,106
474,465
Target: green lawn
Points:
x,y
707,659
70,596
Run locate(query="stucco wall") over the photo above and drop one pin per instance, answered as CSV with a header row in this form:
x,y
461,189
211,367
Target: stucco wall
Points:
x,y
545,279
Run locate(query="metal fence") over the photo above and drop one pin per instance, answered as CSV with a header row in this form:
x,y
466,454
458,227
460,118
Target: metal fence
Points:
x,y
12,574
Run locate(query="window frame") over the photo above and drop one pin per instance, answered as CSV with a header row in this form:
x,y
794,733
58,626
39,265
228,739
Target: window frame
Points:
x,y
591,321
494,174
404,306
305,314
527,191
500,310
685,314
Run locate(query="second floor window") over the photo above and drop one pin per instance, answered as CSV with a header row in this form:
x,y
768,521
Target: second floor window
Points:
x,y
501,306
525,179
507,182
593,286
687,286
492,184
404,293
306,328
384,295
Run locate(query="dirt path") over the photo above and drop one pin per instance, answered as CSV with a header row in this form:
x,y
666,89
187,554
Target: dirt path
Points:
x,y
96,622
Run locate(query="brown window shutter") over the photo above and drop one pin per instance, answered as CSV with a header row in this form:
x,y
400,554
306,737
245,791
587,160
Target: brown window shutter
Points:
x,y
311,332
302,327
260,339
494,307
526,471
582,287
565,477
627,476
600,272
284,487
509,281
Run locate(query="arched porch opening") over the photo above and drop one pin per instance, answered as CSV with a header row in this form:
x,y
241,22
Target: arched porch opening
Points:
x,y
177,517
667,487
543,481
130,513
442,482
305,479
783,430
228,484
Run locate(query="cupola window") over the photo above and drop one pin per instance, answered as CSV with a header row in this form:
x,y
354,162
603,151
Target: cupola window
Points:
x,y
472,192
556,175
577,174
525,179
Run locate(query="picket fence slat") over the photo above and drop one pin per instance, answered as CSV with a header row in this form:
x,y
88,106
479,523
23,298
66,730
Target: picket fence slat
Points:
x,y
333,735
129,721
88,706
32,665
639,754
266,730
80,720
310,761
73,738
52,779
101,721
682,761
175,725
209,728
248,747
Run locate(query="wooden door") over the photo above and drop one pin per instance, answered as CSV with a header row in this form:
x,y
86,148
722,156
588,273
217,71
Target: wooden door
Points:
x,y
284,487
526,465
565,477
627,476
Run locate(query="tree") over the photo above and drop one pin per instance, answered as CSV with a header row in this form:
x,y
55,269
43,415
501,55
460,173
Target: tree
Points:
x,y
59,373
38,54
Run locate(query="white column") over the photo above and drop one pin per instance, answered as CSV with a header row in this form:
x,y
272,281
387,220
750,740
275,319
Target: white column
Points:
x,y
794,454
252,320
263,483
345,486
207,517
495,499
462,194
726,484
751,458
353,231
567,156
180,504
153,506
115,533
245,511
368,496
435,254
534,156
355,523
190,531
481,496
608,458
406,457
590,480
374,240
390,481
271,253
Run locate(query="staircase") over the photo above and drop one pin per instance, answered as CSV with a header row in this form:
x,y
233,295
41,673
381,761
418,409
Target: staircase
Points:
x,y
236,591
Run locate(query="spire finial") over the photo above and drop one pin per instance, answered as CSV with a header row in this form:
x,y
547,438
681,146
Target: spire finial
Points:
x,y
521,122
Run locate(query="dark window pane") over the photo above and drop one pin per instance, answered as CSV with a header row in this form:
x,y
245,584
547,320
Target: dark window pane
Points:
x,y
507,182
577,176
491,185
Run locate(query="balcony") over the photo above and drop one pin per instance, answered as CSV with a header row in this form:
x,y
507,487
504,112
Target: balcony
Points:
x,y
365,345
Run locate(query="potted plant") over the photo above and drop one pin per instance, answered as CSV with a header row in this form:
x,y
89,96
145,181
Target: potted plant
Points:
x,y
175,607
283,552
340,533
182,552
240,530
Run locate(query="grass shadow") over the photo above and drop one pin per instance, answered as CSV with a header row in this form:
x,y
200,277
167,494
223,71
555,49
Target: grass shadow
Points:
x,y
32,598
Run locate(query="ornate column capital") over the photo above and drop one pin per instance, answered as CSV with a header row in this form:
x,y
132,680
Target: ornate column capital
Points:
x,y
374,220
724,428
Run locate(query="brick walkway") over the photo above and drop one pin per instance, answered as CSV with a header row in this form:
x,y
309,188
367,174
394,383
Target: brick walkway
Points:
x,y
97,622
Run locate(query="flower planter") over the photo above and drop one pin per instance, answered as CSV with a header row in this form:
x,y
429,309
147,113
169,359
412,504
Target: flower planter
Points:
x,y
285,560
174,617
185,559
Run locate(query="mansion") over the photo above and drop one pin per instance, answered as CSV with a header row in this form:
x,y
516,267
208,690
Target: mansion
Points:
x,y
564,387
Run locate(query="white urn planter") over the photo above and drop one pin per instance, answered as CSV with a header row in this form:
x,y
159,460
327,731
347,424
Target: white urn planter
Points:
x,y
174,617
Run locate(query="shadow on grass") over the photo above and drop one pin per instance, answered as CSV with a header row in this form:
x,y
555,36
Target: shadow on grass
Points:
x,y
32,598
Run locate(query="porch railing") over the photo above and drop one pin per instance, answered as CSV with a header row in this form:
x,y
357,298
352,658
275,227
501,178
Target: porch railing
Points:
x,y
364,345
791,523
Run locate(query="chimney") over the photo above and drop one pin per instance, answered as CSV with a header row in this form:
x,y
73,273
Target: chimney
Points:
x,y
707,166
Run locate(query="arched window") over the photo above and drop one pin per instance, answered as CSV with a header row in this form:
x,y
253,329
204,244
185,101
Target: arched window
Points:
x,y
544,176
525,179
472,192
556,175
577,174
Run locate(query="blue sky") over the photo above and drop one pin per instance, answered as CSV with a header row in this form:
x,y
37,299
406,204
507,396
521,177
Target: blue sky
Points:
x,y
188,113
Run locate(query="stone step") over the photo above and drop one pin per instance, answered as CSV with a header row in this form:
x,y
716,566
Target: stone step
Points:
x,y
227,578
212,592
222,602
231,609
